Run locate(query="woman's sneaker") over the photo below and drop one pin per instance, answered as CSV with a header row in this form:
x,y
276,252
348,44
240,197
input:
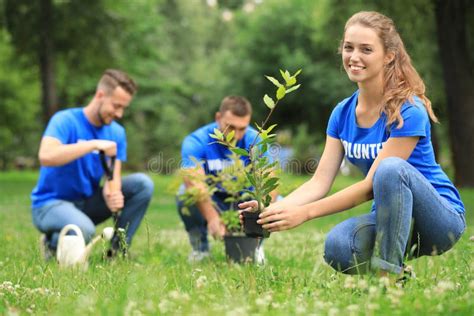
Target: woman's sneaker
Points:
x,y
407,275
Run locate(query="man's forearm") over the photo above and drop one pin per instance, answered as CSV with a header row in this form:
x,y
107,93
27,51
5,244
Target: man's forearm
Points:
x,y
207,210
63,154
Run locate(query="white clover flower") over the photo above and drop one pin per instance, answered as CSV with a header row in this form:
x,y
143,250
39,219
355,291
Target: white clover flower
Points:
x,y
264,300
333,311
349,282
439,307
201,281
260,302
353,309
373,306
320,305
174,295
130,308
165,306
471,285
444,286
427,293
384,281
237,312
373,290
362,284
300,309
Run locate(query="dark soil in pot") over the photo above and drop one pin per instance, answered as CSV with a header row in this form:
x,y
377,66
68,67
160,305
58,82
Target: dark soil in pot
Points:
x,y
251,228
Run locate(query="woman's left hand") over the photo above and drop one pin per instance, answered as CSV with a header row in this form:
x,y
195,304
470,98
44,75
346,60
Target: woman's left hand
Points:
x,y
282,218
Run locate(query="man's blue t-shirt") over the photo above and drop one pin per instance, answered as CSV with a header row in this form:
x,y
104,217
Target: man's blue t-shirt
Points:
x,y
80,178
361,145
199,146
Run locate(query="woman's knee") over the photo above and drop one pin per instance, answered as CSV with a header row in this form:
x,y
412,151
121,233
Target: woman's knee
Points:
x,y
349,244
389,167
389,172
337,250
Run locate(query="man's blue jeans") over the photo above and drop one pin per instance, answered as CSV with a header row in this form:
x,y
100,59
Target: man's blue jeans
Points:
x,y
194,222
52,217
411,219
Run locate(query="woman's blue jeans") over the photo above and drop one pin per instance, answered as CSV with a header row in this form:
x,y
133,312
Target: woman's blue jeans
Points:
x,y
411,219
52,217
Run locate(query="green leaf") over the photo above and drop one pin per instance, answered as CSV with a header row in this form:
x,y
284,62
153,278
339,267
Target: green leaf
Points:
x,y
270,128
284,76
240,151
297,73
268,200
293,88
230,136
218,133
213,136
230,199
269,101
280,94
267,140
270,182
291,81
251,179
261,162
274,81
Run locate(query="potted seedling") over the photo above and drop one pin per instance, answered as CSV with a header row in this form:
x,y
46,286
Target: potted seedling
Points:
x,y
238,247
260,172
232,179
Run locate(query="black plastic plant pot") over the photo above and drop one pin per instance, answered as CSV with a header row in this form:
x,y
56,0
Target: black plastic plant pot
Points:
x,y
240,249
251,227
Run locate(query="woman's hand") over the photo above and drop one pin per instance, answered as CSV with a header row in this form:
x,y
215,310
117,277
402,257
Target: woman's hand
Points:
x,y
282,218
274,217
248,206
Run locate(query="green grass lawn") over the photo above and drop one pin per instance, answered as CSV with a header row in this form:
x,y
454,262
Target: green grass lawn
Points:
x,y
158,280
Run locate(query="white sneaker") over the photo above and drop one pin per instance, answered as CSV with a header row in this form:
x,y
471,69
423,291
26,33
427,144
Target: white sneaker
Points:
x,y
260,255
197,256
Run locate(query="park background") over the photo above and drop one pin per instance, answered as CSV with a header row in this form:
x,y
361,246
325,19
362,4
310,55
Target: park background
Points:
x,y
186,55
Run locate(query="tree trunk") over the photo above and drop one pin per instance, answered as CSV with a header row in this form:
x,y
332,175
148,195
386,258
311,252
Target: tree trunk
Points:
x,y
46,61
459,84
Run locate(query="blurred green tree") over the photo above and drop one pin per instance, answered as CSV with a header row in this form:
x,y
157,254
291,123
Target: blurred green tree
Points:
x,y
455,29
19,132
64,39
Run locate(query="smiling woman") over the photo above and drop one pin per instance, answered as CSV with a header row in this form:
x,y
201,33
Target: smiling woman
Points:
x,y
384,130
363,55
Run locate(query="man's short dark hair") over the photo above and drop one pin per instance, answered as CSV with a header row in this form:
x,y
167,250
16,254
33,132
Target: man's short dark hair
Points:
x,y
237,105
113,78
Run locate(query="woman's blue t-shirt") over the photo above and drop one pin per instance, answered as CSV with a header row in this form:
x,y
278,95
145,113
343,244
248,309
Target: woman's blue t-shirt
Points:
x,y
362,145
